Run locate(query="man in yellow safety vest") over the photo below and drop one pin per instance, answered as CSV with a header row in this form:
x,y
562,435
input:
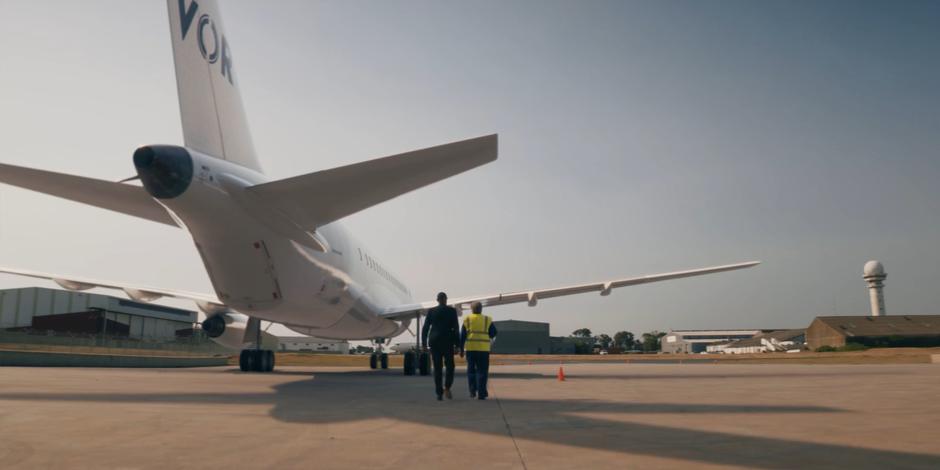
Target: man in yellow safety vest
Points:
x,y
475,337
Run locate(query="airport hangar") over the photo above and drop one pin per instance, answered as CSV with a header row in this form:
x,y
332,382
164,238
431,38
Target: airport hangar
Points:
x,y
42,310
874,331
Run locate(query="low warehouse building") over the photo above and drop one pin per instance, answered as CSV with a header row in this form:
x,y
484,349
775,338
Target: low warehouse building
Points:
x,y
881,331
521,337
564,344
40,309
527,337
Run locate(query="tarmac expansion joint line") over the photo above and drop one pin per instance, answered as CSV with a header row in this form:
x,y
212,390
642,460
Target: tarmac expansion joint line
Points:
x,y
515,444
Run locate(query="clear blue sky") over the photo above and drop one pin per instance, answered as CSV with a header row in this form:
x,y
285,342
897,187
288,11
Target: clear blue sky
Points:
x,y
635,138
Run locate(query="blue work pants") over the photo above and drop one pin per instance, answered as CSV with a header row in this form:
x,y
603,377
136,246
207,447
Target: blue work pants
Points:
x,y
478,369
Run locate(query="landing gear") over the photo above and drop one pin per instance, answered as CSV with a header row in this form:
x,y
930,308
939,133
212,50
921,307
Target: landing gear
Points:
x,y
424,363
417,363
256,360
418,360
267,361
409,363
378,359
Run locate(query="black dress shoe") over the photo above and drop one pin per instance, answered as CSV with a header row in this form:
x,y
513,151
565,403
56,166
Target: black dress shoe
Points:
x,y
473,394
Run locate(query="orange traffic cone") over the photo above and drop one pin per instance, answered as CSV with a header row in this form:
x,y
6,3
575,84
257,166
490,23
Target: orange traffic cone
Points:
x,y
561,374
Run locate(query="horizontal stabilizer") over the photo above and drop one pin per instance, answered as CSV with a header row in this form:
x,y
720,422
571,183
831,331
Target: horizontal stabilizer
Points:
x,y
124,198
316,199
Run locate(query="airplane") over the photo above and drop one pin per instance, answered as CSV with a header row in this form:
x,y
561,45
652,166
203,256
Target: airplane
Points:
x,y
275,251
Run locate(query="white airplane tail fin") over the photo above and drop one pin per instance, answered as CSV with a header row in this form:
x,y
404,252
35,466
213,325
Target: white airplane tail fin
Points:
x,y
210,105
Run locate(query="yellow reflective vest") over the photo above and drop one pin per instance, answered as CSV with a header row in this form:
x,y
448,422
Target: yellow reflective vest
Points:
x,y
478,332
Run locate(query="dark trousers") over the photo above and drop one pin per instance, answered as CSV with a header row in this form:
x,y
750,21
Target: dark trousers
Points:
x,y
478,369
443,356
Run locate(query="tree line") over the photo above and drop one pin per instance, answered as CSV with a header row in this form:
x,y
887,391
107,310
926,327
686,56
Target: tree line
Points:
x,y
586,341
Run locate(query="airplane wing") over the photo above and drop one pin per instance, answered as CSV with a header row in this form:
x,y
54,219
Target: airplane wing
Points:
x,y
533,296
316,199
207,303
124,198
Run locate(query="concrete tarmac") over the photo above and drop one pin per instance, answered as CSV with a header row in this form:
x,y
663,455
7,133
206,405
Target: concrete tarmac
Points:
x,y
603,416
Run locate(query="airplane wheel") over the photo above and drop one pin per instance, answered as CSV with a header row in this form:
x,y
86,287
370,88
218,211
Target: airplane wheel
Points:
x,y
264,361
424,363
271,357
255,360
384,361
373,361
243,360
409,363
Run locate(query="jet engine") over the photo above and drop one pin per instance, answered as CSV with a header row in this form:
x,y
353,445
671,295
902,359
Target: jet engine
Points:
x,y
226,329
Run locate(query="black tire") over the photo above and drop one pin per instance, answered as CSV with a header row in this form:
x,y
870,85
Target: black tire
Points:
x,y
373,361
424,363
243,360
409,366
264,360
384,361
251,361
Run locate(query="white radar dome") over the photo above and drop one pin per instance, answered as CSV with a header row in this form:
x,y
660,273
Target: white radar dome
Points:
x,y
874,268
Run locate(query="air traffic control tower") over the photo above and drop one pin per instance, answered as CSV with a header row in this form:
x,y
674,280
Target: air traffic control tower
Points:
x,y
874,274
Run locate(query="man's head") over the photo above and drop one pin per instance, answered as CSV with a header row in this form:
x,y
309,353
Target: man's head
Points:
x,y
476,307
441,298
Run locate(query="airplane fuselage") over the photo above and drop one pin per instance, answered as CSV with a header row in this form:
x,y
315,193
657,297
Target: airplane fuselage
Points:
x,y
328,285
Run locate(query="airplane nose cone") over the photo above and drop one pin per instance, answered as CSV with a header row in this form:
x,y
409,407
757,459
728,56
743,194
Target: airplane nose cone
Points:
x,y
165,170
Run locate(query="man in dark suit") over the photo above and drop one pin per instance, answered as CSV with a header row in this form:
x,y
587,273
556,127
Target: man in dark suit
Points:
x,y
441,321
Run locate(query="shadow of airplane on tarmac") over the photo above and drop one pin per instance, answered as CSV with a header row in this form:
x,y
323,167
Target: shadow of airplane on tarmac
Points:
x,y
343,396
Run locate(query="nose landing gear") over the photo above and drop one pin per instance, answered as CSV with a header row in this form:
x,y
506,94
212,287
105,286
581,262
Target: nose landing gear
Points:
x,y
379,357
